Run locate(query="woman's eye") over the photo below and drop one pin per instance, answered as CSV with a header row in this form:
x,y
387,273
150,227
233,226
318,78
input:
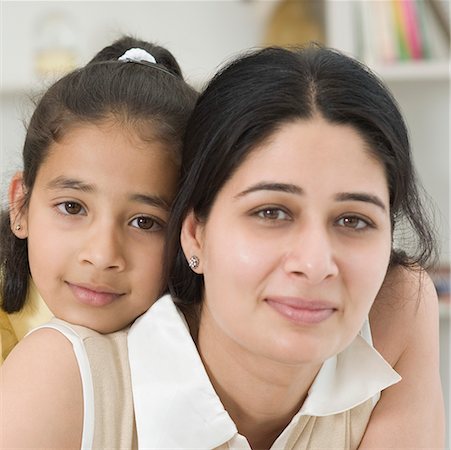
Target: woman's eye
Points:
x,y
70,208
353,222
272,214
146,223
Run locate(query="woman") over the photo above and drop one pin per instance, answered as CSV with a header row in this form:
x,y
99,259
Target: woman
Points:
x,y
297,176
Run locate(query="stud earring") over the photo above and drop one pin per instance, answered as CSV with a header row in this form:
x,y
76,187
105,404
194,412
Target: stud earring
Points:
x,y
18,227
193,262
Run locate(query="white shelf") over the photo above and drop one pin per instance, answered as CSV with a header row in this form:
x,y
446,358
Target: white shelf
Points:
x,y
414,71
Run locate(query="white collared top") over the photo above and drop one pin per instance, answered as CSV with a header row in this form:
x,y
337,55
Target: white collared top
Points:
x,y
176,406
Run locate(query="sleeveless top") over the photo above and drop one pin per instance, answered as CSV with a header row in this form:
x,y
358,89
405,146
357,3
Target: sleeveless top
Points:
x,y
108,420
176,406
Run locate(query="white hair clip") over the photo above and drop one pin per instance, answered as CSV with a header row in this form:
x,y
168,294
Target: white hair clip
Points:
x,y
137,55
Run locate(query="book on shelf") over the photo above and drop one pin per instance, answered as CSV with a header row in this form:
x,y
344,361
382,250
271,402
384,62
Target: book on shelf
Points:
x,y
403,30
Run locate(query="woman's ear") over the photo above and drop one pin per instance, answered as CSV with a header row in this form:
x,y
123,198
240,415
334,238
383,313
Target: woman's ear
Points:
x,y
17,212
192,240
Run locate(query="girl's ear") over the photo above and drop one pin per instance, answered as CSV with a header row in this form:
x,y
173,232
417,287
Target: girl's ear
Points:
x,y
17,213
192,240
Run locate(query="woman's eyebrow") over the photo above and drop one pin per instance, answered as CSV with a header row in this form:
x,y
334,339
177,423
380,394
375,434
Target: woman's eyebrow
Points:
x,y
360,197
294,189
279,187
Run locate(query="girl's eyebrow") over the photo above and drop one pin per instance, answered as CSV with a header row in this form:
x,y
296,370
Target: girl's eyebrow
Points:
x,y
71,183
151,200
294,189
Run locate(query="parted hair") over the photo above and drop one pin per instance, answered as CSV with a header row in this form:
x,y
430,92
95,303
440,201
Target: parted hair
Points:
x,y
246,102
154,99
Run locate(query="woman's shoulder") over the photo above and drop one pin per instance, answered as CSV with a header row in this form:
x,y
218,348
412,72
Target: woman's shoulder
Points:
x,y
41,393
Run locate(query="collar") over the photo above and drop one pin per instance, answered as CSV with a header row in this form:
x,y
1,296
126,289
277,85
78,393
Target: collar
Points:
x,y
177,407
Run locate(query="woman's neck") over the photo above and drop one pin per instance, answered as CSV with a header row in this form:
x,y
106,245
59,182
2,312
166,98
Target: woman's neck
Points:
x,y
260,395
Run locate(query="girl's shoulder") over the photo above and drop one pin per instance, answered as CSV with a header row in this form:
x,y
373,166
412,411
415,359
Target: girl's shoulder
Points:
x,y
405,327
41,393
406,305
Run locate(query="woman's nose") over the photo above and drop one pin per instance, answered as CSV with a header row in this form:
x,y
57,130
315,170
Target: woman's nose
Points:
x,y
311,254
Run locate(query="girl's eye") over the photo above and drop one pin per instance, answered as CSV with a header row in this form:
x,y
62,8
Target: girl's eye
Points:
x,y
146,223
70,208
353,222
272,213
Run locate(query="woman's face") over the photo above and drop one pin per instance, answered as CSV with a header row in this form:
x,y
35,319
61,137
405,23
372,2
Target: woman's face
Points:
x,y
296,246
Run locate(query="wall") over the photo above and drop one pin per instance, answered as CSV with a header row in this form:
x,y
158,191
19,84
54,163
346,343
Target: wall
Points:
x,y
201,34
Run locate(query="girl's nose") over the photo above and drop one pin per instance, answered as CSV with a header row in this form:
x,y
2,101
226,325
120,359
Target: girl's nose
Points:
x,y
311,254
103,248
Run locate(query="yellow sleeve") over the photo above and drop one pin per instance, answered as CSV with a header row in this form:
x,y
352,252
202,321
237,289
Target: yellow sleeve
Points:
x,y
13,327
8,338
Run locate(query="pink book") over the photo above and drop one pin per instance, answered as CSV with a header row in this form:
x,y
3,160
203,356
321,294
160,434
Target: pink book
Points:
x,y
412,28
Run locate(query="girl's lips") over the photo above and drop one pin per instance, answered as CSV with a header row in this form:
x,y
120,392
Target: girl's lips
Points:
x,y
302,311
93,297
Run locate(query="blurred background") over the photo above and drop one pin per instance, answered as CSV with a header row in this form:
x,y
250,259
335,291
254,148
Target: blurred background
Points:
x,y
406,42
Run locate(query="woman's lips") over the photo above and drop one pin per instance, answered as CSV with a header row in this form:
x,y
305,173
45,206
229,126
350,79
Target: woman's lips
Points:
x,y
302,311
94,296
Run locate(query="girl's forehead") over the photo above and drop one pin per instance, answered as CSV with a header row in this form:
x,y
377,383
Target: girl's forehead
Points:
x,y
112,155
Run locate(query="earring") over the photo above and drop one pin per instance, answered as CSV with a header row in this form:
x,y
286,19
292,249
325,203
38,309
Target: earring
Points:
x,y
193,262
18,227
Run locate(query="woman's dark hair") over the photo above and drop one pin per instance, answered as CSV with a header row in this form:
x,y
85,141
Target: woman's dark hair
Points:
x,y
254,95
154,99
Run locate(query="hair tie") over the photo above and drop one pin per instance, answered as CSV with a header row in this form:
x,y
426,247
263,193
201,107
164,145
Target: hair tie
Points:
x,y
137,55
141,56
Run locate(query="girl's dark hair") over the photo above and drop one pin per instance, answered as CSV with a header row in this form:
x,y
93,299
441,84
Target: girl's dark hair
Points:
x,y
250,98
154,99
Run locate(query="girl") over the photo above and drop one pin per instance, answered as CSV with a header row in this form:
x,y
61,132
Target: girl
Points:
x,y
88,217
159,116
296,174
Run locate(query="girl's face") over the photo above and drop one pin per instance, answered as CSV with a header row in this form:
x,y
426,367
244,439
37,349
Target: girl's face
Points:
x,y
296,246
96,224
